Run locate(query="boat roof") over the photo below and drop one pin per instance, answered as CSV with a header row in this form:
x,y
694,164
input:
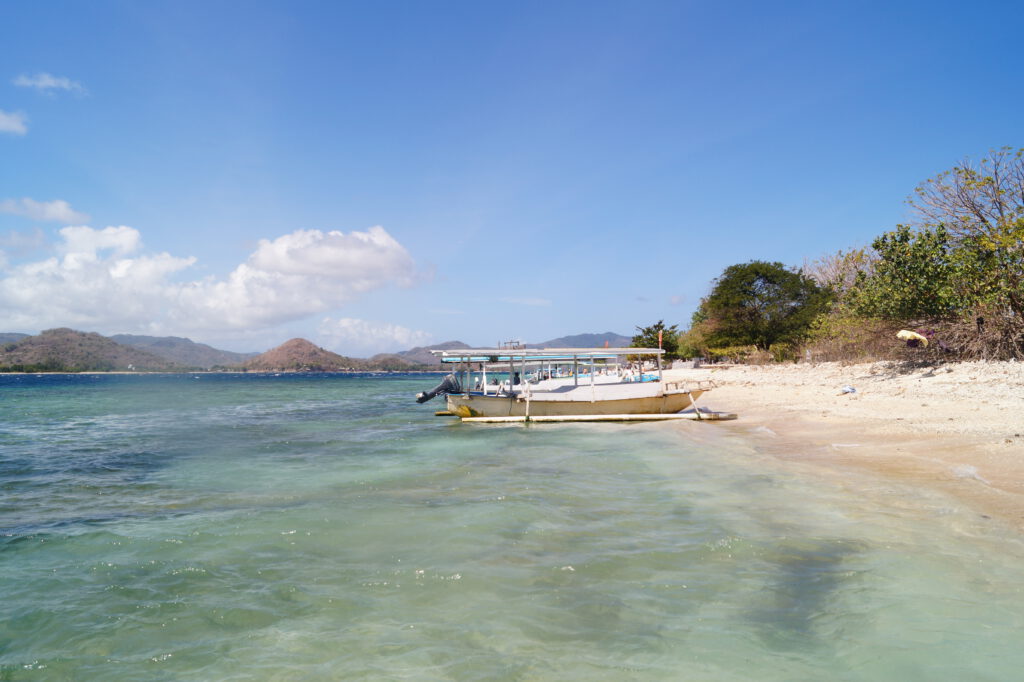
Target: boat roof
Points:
x,y
551,354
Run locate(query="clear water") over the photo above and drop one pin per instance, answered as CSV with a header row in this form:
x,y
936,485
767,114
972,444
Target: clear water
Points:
x,y
230,527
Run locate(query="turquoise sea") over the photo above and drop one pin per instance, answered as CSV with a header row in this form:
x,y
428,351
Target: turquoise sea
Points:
x,y
325,527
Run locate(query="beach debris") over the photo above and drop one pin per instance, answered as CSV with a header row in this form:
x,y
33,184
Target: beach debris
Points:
x,y
913,339
847,389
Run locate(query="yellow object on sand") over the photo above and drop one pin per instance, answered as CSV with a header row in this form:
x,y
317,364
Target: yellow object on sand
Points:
x,y
907,335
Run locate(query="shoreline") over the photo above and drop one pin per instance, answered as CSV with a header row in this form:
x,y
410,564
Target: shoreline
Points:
x,y
957,428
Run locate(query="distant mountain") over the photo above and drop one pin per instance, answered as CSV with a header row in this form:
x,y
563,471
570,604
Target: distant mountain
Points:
x,y
11,337
299,355
183,351
421,354
394,362
586,341
67,350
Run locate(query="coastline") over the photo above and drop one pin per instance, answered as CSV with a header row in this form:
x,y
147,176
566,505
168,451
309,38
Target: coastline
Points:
x,y
958,428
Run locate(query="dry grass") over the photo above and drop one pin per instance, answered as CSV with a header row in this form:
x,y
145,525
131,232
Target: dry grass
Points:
x,y
874,340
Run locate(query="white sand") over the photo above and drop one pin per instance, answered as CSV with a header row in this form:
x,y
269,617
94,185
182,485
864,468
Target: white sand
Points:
x,y
958,427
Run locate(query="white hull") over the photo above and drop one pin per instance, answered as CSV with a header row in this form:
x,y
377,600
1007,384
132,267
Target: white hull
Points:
x,y
475,405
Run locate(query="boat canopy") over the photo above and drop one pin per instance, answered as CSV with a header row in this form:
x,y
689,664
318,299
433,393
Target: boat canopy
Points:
x,y
542,354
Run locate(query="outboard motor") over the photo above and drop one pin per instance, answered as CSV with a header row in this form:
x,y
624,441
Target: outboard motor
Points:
x,y
450,384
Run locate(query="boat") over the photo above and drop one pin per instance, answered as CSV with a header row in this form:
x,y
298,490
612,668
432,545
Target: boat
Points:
x,y
528,383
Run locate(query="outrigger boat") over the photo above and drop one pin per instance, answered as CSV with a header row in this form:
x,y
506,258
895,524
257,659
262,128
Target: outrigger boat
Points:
x,y
552,384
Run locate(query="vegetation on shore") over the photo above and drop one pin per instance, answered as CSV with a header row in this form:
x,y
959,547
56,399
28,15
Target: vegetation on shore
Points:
x,y
954,275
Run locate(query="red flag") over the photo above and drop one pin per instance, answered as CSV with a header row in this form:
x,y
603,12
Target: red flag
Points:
x,y
659,338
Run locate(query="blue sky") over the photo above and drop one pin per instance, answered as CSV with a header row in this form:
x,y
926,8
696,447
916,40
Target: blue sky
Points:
x,y
374,176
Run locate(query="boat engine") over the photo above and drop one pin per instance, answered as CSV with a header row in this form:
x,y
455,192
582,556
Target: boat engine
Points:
x,y
450,384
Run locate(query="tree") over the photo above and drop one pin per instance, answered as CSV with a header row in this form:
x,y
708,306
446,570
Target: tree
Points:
x,y
981,208
919,275
760,303
840,272
647,337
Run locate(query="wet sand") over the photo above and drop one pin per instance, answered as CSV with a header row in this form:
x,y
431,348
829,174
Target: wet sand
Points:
x,y
958,428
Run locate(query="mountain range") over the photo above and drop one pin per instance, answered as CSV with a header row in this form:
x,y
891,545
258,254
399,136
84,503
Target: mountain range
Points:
x,y
67,350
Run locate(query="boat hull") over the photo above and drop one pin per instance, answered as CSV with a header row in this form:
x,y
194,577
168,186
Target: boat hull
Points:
x,y
502,406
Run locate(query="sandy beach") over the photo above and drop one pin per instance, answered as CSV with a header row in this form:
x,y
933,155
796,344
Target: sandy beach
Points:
x,y
957,427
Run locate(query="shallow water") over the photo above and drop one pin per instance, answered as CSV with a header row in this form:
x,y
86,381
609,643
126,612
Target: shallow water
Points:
x,y
326,527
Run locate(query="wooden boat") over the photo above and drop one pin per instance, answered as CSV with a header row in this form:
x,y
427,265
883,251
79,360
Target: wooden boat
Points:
x,y
553,382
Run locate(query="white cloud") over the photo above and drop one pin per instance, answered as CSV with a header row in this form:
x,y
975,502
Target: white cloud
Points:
x,y
361,255
87,241
48,83
298,275
678,299
57,210
102,279
94,281
13,122
351,336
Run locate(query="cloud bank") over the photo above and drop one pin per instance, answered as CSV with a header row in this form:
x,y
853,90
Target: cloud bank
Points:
x,y
103,279
58,210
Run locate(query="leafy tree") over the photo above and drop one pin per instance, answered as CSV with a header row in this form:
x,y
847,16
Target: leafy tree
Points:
x,y
919,275
760,304
647,337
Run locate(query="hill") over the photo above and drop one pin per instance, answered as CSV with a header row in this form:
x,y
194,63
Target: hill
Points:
x,y
299,355
182,351
394,362
11,337
586,341
421,354
67,350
